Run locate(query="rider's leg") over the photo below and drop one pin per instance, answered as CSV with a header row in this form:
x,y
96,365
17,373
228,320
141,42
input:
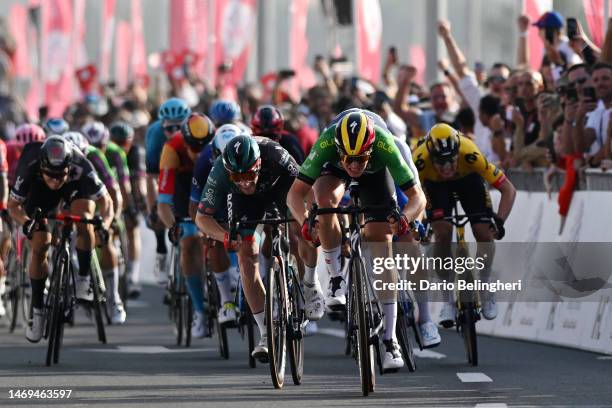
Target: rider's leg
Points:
x,y
328,192
265,253
253,286
192,266
39,266
133,263
85,234
220,265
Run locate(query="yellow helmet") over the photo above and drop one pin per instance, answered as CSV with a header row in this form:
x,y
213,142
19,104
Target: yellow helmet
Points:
x,y
442,142
355,134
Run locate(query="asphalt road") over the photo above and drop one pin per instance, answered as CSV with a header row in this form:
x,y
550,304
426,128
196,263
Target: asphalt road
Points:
x,y
142,366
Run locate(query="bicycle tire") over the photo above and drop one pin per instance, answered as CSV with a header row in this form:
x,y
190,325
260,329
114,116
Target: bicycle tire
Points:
x,y
401,331
364,348
122,255
25,291
276,321
214,305
98,303
65,306
53,310
295,342
187,318
468,331
250,321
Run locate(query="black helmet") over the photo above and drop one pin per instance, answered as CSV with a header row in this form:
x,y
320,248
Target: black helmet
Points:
x,y
56,154
121,132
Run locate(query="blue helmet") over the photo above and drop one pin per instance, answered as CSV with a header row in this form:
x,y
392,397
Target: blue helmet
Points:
x,y
224,111
174,109
55,126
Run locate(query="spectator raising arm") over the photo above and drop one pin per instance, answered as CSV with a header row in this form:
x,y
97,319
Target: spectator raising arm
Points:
x,y
522,57
456,56
405,76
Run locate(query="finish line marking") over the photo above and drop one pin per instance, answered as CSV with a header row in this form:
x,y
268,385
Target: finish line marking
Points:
x,y
148,350
474,377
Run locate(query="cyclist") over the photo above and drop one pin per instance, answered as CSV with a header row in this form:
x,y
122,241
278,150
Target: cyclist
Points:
x,y
55,126
451,164
355,148
24,134
252,174
4,227
176,172
219,260
48,173
171,114
98,136
122,135
223,112
268,121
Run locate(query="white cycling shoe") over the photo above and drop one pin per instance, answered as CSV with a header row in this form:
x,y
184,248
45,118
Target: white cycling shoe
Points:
x,y
447,315
315,302
336,293
83,288
160,271
393,360
227,314
260,352
429,335
119,314
34,331
311,328
488,307
198,326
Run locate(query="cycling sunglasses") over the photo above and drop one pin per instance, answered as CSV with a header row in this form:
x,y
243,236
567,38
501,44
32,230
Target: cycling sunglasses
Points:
x,y
55,175
361,159
441,161
172,128
248,176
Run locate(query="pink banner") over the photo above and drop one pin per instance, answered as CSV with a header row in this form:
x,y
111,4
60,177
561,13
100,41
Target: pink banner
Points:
x,y
369,34
189,28
122,54
108,32
234,32
58,71
298,47
139,52
594,14
18,20
80,51
534,10
419,61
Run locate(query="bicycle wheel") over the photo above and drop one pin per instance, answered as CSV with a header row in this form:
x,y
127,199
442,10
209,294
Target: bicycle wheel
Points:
x,y
98,298
401,331
187,317
365,350
467,318
25,291
54,312
214,303
295,336
11,297
250,322
276,318
63,310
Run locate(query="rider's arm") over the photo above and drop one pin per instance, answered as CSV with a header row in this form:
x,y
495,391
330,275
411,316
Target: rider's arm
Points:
x,y
296,200
416,203
209,226
123,174
152,164
214,197
508,194
17,212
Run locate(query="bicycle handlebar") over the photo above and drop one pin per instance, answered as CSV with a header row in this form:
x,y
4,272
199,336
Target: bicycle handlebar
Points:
x,y
96,221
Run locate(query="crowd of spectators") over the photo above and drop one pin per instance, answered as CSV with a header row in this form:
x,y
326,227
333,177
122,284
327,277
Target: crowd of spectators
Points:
x,y
555,117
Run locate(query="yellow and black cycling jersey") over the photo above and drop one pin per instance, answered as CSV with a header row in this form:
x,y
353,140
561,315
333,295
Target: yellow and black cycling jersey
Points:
x,y
470,161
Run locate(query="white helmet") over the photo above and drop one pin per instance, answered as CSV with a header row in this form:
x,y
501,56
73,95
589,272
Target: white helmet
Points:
x,y
96,133
77,139
223,135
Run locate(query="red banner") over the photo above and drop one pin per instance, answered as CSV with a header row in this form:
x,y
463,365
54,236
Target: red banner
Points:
x,y
594,14
80,51
418,59
18,20
369,34
139,52
189,29
298,47
108,33
234,33
122,54
58,72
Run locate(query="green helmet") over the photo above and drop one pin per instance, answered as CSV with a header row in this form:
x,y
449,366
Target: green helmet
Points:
x,y
241,154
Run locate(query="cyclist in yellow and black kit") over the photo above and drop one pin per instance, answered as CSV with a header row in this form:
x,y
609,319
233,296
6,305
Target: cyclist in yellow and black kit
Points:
x,y
451,167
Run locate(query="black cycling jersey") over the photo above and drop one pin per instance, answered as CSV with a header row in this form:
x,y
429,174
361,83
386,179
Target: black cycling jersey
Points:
x,y
31,190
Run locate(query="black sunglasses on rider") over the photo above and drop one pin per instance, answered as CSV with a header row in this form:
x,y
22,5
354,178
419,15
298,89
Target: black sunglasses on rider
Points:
x,y
55,175
172,128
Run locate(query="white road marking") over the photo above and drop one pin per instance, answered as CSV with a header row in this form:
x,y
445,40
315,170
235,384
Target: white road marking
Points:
x,y
491,405
604,358
474,377
138,304
148,350
332,332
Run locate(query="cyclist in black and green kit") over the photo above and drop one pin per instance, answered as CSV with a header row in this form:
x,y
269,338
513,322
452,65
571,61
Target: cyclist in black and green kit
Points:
x,y
108,252
352,147
98,135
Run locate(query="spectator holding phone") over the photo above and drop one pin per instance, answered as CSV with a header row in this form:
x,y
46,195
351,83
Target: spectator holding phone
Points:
x,y
594,107
556,44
